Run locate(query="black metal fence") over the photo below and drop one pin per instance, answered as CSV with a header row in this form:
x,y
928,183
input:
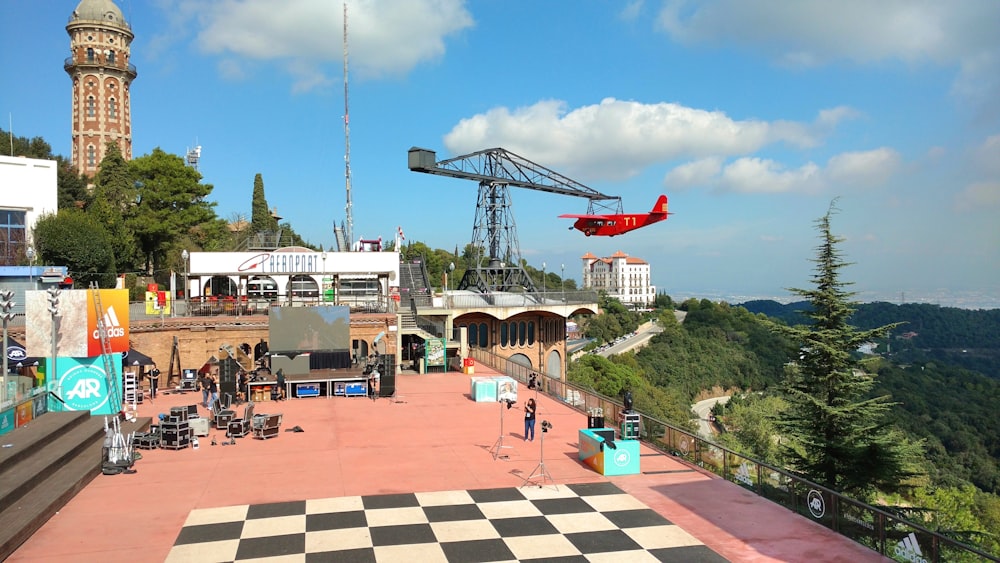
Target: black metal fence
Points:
x,y
883,531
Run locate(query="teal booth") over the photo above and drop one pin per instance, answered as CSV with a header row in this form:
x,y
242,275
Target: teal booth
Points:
x,y
599,449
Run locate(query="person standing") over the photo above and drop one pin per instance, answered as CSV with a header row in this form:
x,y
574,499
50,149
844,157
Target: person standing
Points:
x,y
203,383
373,381
213,389
241,391
281,384
529,420
154,376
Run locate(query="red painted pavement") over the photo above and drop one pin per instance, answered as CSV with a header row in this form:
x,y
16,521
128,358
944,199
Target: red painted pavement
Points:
x,y
431,437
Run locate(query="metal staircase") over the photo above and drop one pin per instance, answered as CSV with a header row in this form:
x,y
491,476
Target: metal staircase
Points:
x,y
110,374
343,245
413,283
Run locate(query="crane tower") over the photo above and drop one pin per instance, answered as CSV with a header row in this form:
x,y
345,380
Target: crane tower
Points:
x,y
494,232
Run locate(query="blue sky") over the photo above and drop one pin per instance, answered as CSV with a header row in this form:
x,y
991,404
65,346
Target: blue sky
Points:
x,y
750,116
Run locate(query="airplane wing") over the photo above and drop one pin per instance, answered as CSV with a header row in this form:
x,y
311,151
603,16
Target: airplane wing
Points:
x,y
568,216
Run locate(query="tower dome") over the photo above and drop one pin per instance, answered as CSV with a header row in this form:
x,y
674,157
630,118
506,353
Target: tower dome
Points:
x,y
100,48
99,10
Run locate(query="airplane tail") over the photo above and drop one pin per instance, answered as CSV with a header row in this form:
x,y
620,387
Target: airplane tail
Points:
x,y
660,208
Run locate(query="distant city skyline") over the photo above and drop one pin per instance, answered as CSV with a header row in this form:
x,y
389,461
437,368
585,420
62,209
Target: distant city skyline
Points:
x,y
750,117
943,298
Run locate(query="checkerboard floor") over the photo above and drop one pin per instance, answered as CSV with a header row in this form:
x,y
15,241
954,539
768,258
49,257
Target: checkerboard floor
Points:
x,y
580,522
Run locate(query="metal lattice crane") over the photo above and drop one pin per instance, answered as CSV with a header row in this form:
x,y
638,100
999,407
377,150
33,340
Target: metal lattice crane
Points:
x,y
494,231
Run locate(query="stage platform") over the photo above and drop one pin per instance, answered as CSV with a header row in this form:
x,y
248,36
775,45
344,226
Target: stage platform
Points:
x,y
350,382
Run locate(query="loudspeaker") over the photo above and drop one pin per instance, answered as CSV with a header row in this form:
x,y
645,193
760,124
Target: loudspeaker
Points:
x,y
387,380
228,369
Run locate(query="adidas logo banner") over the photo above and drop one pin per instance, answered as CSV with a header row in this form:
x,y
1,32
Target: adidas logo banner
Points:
x,y
110,328
907,549
745,473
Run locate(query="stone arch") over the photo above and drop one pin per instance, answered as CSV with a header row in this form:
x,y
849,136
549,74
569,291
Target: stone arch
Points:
x,y
219,286
521,360
553,364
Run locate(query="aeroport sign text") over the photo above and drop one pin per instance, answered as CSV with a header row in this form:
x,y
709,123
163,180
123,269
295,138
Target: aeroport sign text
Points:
x,y
281,263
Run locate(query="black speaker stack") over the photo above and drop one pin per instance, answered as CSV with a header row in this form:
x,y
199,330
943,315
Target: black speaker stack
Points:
x,y
387,377
228,370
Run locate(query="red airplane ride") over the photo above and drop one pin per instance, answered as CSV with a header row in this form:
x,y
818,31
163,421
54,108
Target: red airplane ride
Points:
x,y
616,224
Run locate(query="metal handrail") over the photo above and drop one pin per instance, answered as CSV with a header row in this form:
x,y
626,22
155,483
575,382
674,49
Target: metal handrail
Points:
x,y
876,528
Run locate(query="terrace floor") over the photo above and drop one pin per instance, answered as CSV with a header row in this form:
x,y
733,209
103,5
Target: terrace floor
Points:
x,y
414,478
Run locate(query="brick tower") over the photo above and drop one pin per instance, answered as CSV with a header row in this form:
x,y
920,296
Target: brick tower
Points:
x,y
99,40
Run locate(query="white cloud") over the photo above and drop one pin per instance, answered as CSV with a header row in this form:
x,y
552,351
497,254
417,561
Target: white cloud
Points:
x,y
631,10
756,175
693,174
857,30
978,195
616,139
388,37
805,33
832,117
867,168
987,155
232,69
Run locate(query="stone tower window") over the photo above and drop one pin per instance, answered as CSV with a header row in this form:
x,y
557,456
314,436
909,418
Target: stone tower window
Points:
x,y
91,106
90,54
111,57
91,156
112,111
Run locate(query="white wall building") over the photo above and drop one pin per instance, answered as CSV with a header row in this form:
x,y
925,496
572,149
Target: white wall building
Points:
x,y
621,276
28,190
294,275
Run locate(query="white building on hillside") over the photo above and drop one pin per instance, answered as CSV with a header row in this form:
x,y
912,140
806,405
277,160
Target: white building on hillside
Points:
x,y
28,190
621,276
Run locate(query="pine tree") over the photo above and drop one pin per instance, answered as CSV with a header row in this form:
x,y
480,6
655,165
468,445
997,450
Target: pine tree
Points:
x,y
261,220
114,207
833,431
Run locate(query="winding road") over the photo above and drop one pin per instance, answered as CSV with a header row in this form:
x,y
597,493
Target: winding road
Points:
x,y
704,410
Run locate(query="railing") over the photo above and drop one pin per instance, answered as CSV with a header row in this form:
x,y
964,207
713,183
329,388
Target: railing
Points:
x,y
527,299
248,308
879,529
70,62
22,409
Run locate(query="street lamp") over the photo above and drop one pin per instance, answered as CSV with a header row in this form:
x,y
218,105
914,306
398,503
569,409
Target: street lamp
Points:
x,y
451,268
30,253
562,279
53,297
187,305
6,311
543,277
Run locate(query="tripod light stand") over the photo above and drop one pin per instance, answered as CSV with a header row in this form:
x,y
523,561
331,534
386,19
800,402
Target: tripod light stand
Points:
x,y
540,472
498,445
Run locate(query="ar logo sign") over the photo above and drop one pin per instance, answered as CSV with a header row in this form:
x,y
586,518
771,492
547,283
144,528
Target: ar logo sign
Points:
x,y
84,388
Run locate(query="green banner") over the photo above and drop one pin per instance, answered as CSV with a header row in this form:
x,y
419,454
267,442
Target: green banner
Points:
x,y
434,355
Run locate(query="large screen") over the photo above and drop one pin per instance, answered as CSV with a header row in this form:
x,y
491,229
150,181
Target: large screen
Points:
x,y
324,328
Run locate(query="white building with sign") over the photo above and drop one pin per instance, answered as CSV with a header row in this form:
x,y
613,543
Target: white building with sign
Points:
x,y
361,280
621,276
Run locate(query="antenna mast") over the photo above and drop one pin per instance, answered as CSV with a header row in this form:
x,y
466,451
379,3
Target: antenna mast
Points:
x,y
347,145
